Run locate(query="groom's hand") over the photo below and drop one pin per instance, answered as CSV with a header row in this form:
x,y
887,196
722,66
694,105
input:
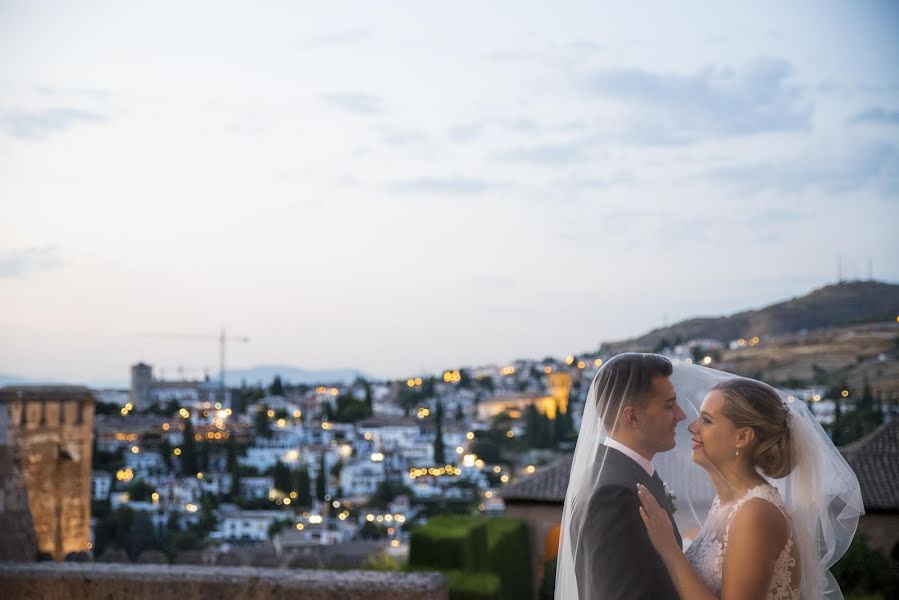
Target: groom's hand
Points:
x,y
658,525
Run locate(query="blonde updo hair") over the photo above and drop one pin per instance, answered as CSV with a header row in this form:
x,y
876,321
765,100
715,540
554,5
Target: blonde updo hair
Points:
x,y
750,403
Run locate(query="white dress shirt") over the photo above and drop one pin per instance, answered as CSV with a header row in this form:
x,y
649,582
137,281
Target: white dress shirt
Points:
x,y
635,456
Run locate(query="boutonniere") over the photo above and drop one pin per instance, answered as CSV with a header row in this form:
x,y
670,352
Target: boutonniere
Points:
x,y
670,498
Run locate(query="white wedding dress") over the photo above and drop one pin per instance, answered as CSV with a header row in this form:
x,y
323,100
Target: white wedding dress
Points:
x,y
706,553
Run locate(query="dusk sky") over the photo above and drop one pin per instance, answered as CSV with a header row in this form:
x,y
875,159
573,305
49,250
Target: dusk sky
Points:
x,y
406,187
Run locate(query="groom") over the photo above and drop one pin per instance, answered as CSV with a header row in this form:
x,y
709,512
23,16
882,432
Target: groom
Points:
x,y
614,558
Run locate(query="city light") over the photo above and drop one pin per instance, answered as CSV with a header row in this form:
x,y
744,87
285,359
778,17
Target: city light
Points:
x,y
190,507
598,362
531,468
326,425
165,426
394,543
581,364
707,360
816,398
569,359
510,434
155,497
547,370
135,450
469,435
508,370
300,527
844,393
200,475
184,414
177,451
369,517
377,457
504,478
497,469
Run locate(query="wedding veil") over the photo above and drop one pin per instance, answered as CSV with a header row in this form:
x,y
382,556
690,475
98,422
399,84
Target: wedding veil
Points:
x,y
821,493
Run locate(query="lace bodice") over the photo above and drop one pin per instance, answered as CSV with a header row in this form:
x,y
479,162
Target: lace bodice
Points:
x,y
706,553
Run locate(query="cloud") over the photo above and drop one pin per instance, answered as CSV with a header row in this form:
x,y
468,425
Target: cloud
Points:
x,y
355,102
553,154
875,115
464,133
348,37
873,164
35,125
711,102
29,260
404,137
455,186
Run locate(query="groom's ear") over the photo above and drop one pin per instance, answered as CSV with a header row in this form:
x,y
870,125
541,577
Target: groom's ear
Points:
x,y
629,415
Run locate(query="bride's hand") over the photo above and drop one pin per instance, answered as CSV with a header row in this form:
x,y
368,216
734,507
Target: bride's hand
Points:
x,y
658,525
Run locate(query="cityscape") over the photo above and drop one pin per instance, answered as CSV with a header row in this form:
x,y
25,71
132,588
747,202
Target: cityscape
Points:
x,y
340,474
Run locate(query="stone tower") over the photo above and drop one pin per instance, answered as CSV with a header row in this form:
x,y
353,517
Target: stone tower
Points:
x,y
45,463
559,388
141,382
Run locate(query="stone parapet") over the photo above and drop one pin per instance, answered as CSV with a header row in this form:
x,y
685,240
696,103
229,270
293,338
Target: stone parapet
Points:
x,y
95,581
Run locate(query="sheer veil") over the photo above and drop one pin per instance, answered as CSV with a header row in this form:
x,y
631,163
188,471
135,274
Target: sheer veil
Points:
x,y
821,493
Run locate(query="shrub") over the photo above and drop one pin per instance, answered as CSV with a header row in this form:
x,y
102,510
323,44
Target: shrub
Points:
x,y
465,585
450,543
510,556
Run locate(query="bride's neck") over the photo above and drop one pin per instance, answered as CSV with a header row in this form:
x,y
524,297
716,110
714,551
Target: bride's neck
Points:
x,y
732,481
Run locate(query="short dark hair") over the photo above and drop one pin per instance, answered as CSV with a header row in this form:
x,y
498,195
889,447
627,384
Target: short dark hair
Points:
x,y
626,380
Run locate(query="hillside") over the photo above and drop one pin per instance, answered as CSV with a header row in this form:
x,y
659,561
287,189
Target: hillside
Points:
x,y
831,306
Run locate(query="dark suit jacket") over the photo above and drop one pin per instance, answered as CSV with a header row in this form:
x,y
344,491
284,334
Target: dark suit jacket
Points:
x,y
614,559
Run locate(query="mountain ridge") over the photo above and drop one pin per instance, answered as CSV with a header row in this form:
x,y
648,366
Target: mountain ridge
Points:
x,y
835,305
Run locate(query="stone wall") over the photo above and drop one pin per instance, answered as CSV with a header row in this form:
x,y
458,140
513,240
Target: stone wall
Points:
x,y
46,447
92,581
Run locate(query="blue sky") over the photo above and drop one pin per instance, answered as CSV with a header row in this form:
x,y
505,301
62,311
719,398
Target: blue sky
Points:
x,y
410,187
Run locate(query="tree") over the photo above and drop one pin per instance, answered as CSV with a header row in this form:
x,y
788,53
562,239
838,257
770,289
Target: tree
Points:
x,y
350,410
233,468
139,490
303,489
276,388
367,397
188,449
321,482
282,477
261,422
439,457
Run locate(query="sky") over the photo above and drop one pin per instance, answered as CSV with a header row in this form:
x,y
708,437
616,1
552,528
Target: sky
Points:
x,y
407,187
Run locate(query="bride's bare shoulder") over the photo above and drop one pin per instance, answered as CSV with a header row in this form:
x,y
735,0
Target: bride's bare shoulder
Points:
x,y
761,522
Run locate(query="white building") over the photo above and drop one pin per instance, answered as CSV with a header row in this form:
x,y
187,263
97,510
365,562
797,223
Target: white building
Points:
x,y
144,462
246,524
101,484
254,488
361,477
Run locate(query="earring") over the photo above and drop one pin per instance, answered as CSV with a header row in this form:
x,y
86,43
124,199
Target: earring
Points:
x,y
738,452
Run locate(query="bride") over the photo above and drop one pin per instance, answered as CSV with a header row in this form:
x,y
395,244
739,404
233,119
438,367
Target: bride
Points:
x,y
785,505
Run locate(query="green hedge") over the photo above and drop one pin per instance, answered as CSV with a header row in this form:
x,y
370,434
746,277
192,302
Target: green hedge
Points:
x,y
471,547
465,585
450,543
510,556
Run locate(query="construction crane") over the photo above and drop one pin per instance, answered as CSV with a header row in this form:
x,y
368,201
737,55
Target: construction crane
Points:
x,y
222,338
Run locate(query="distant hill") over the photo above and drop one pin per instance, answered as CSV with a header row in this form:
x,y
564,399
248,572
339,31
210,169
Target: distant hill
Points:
x,y
836,305
266,373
